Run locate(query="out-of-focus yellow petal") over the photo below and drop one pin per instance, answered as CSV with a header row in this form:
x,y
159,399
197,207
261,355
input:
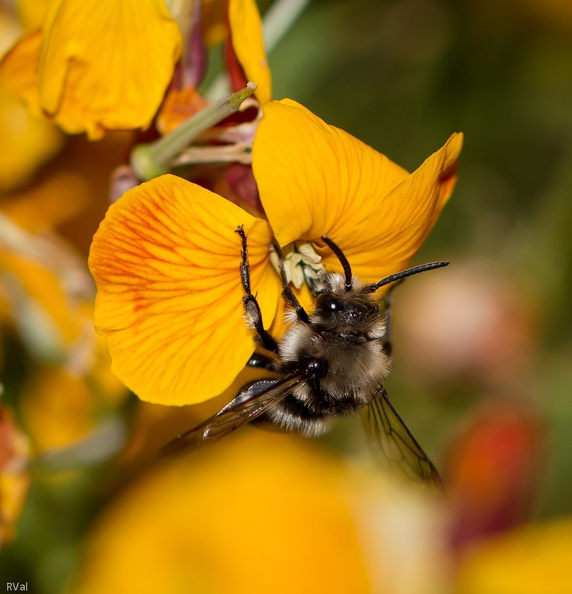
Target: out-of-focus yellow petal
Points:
x,y
536,558
32,13
73,195
248,44
53,200
289,501
43,289
294,504
104,65
27,141
315,179
57,408
166,261
19,70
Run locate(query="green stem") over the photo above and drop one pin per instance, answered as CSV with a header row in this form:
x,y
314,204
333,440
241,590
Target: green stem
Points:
x,y
154,159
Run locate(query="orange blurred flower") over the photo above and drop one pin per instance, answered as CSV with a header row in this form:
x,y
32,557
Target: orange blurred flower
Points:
x,y
492,469
14,475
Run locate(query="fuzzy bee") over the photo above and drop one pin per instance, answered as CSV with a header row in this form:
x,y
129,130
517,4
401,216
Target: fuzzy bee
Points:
x,y
328,364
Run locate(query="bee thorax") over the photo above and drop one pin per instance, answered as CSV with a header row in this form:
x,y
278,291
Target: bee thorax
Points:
x,y
340,366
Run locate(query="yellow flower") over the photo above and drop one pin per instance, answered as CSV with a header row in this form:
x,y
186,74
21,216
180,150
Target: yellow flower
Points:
x,y
297,521
96,65
166,257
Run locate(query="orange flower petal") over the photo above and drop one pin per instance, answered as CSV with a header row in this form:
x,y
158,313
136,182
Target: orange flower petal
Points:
x,y
179,105
319,180
248,44
166,262
104,67
385,241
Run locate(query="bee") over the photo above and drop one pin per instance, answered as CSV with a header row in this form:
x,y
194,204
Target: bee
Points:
x,y
330,363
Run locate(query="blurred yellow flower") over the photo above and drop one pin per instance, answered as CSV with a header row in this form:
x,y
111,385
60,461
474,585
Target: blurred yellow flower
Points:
x,y
31,13
46,299
96,65
166,257
60,408
48,321
271,515
28,141
535,558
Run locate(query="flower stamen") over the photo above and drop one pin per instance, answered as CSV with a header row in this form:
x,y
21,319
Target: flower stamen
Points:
x,y
301,265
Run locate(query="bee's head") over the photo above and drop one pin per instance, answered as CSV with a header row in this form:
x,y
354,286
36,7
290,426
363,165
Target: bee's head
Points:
x,y
343,306
339,309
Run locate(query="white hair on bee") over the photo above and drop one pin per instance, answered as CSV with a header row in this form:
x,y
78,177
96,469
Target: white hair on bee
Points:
x,y
281,417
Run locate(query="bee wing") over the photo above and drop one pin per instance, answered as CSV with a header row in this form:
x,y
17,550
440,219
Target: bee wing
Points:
x,y
395,443
247,406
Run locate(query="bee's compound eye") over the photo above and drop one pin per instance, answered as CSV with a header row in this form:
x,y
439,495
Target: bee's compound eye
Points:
x,y
328,303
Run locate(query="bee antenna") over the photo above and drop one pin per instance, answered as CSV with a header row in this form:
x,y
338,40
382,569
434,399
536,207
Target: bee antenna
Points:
x,y
392,278
343,261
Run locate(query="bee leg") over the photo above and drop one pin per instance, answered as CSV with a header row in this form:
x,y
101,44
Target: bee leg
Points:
x,y
251,307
